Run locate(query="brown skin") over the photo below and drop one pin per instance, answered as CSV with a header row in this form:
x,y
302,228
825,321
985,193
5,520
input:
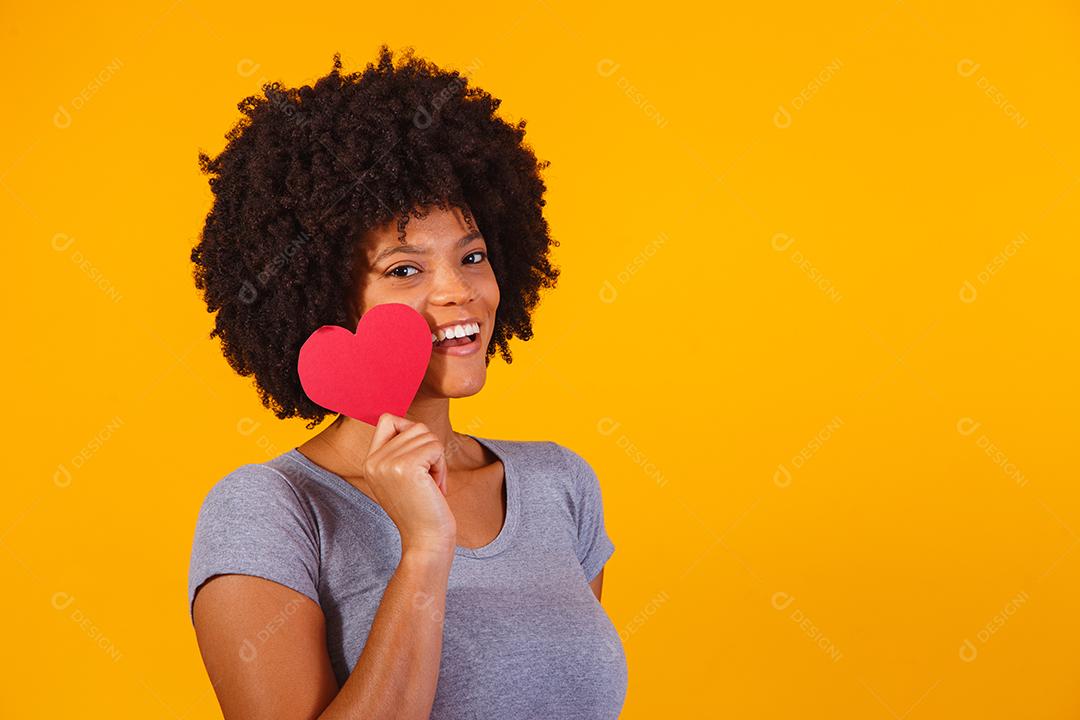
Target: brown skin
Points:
x,y
457,498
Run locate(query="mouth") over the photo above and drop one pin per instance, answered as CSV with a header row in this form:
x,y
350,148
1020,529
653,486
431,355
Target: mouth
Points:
x,y
459,340
456,342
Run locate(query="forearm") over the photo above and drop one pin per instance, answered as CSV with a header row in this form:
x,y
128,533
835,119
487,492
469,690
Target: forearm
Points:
x,y
397,672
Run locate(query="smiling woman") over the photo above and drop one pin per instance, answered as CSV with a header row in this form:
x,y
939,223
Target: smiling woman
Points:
x,y
299,181
426,572
443,271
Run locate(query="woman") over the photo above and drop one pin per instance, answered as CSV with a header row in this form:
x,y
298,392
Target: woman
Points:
x,y
404,570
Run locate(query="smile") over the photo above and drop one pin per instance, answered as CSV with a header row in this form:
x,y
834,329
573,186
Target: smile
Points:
x,y
457,339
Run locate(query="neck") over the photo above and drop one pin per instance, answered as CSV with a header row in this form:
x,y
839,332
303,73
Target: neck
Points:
x,y
348,439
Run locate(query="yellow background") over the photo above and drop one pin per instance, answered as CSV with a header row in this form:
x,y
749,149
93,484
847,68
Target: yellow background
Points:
x,y
816,332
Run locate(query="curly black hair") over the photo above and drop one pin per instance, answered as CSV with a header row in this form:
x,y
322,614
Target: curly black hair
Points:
x,y
306,171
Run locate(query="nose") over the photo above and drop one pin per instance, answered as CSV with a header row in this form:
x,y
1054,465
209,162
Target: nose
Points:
x,y
452,287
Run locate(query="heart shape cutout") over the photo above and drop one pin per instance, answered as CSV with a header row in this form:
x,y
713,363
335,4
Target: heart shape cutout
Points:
x,y
374,370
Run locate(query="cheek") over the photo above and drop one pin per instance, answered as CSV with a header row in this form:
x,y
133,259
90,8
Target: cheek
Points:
x,y
370,298
491,290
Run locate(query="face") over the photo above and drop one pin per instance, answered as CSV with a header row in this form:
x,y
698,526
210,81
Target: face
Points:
x,y
441,271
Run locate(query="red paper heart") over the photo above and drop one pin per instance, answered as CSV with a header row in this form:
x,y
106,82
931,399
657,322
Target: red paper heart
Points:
x,y
377,369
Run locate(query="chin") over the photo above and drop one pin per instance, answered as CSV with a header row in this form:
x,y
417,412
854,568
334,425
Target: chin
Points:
x,y
456,387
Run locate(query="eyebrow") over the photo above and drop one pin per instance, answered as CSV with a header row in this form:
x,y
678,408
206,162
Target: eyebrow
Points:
x,y
420,249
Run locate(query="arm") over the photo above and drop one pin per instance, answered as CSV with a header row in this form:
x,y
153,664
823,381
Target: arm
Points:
x,y
264,646
597,584
594,547
398,670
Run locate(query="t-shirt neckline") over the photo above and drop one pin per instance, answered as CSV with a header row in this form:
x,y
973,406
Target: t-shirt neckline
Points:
x,y
496,546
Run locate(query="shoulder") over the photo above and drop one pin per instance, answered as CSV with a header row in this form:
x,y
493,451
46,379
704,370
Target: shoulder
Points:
x,y
254,521
251,481
553,463
573,461
580,475
543,456
256,492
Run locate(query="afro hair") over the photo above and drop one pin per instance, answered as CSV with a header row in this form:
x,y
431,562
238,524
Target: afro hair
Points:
x,y
307,171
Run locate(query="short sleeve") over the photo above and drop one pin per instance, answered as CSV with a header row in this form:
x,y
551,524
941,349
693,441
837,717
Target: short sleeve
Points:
x,y
594,547
252,522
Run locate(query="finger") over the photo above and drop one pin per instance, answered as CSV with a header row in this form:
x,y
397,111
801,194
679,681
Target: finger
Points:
x,y
433,455
429,454
443,474
387,427
439,471
407,440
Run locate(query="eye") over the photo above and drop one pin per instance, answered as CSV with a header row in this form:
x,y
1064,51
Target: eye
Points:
x,y
477,252
394,272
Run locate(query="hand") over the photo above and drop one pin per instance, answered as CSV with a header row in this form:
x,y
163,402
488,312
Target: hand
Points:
x,y
406,471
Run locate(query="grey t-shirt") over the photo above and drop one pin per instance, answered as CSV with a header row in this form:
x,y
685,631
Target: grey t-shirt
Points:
x,y
523,634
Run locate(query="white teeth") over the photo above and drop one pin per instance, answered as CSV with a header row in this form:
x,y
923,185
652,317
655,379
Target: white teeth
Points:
x,y
455,331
